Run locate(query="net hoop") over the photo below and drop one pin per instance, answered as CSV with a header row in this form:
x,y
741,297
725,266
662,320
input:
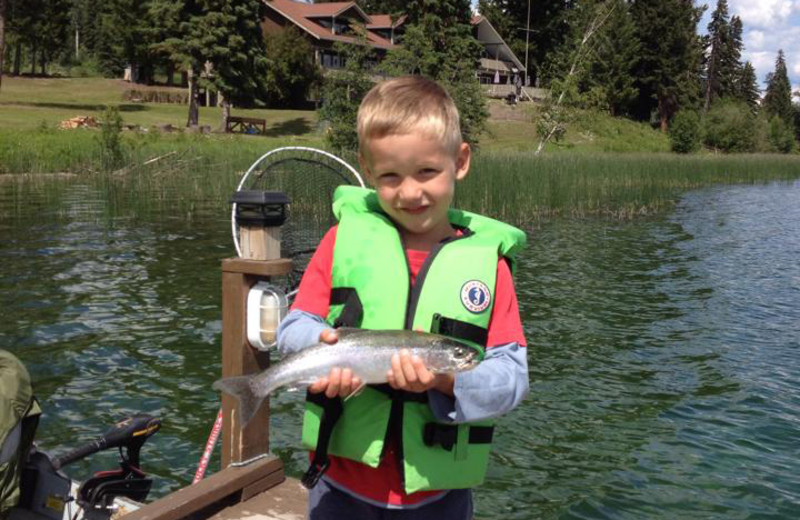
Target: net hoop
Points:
x,y
261,159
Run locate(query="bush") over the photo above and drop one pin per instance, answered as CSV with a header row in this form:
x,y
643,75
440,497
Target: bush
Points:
x,y
730,127
781,135
111,138
685,133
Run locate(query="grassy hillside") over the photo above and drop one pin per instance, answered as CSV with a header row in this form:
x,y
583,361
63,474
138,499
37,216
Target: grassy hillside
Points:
x,y
514,129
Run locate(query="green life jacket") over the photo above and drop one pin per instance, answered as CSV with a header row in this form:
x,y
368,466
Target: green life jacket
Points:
x,y
19,416
371,289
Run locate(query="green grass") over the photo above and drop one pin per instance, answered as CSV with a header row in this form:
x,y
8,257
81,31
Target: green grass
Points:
x,y
29,103
513,129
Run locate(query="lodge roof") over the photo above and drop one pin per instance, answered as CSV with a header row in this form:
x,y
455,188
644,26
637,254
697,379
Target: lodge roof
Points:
x,y
384,21
303,15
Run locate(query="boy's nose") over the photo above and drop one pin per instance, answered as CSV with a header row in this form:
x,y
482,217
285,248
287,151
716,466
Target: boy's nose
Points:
x,y
410,190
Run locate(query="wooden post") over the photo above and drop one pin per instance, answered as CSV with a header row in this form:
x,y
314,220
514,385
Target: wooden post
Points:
x,y
261,252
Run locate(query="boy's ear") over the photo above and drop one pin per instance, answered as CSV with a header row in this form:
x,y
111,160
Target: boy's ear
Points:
x,y
462,161
364,165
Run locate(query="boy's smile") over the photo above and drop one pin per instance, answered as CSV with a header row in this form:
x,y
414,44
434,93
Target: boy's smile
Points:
x,y
414,176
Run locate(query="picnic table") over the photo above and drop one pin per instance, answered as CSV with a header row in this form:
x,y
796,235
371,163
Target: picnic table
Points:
x,y
246,125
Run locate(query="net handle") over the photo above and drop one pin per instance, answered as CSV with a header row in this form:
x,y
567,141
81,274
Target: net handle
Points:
x,y
283,149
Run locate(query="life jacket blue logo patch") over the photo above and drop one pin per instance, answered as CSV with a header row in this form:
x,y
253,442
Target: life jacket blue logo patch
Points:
x,y
475,296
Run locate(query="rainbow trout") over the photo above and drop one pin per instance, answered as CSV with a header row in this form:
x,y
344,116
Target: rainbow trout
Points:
x,y
367,353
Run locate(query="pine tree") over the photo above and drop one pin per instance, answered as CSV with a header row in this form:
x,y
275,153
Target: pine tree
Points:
x,y
164,24
234,46
747,87
723,68
612,59
121,39
670,56
778,97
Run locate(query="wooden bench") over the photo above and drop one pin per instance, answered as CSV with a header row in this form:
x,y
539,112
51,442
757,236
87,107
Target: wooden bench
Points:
x,y
246,125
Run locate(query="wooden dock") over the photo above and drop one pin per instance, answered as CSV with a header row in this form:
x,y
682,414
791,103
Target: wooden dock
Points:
x,y
286,501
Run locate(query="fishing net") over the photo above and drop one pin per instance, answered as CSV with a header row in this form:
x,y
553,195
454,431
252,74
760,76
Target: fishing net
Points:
x,y
309,177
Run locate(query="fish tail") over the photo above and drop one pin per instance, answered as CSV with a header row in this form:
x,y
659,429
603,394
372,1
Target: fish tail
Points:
x,y
239,387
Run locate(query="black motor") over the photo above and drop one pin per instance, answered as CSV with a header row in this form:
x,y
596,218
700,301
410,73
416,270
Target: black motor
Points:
x,y
44,486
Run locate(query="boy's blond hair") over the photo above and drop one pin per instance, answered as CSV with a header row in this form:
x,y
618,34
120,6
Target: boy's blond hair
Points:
x,y
409,104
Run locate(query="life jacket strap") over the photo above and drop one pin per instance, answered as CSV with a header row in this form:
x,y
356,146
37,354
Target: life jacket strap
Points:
x,y
352,312
459,329
331,412
446,435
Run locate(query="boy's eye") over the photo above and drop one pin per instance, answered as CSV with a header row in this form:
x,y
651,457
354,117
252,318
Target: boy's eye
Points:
x,y
387,178
428,171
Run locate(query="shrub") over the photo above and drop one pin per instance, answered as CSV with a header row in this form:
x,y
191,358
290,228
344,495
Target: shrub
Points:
x,y
730,125
781,135
685,133
111,138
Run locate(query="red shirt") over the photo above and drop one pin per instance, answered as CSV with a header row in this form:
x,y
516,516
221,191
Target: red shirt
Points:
x,y
384,484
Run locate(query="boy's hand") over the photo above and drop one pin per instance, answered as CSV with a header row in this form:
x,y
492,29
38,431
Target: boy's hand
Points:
x,y
339,382
410,373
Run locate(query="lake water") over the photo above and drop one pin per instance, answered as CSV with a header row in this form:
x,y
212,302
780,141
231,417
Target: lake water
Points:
x,y
664,352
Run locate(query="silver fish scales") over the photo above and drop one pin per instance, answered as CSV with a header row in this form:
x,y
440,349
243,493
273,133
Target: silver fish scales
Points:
x,y
367,353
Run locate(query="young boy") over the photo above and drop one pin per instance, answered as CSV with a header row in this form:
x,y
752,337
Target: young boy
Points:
x,y
400,257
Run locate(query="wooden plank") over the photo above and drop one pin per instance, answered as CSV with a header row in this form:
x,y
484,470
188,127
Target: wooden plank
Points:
x,y
270,481
286,501
264,268
220,488
238,358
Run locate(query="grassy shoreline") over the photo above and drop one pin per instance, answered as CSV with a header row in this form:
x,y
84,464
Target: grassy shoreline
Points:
x,y
514,186
586,175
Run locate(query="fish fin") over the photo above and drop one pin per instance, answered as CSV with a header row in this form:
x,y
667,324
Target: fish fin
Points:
x,y
355,392
239,387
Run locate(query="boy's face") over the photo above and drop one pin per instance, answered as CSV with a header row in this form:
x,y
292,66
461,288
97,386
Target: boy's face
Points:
x,y
414,176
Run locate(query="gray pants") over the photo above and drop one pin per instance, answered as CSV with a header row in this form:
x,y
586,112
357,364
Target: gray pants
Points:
x,y
328,503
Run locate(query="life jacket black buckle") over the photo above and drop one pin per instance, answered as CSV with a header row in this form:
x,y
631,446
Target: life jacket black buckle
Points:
x,y
442,434
314,473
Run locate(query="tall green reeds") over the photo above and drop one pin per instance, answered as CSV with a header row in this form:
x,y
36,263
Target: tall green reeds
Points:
x,y
514,186
518,187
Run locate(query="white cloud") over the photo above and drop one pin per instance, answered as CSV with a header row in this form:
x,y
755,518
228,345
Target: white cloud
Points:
x,y
763,13
754,39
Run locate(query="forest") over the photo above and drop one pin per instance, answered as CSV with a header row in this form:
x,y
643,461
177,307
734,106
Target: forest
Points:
x,y
646,60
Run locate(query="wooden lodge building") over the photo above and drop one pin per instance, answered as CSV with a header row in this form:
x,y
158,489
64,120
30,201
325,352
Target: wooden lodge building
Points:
x,y
327,23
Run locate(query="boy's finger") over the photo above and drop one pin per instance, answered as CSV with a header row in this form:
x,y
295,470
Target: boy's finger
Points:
x,y
334,380
319,385
409,372
424,375
397,372
328,336
346,382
